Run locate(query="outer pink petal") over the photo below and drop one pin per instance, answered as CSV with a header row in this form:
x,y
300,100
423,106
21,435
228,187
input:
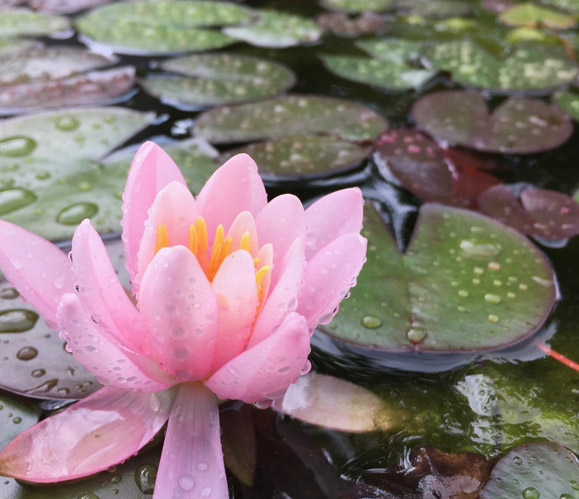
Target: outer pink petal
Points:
x,y
37,268
102,356
175,208
283,299
151,170
236,291
192,460
334,215
100,431
100,291
328,277
280,223
181,310
265,371
233,188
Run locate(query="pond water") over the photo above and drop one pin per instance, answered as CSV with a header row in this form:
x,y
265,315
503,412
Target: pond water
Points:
x,y
475,392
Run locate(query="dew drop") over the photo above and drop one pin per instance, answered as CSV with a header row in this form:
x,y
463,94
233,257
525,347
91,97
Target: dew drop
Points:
x,y
477,249
492,298
494,266
493,318
76,213
38,373
462,293
523,287
517,460
15,199
27,353
531,493
145,476
88,495
206,492
17,420
202,466
416,335
566,496
66,123
371,322
574,484
17,320
16,147
186,482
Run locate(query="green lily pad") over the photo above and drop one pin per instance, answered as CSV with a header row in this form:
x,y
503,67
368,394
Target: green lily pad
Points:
x,y
517,126
144,28
17,22
530,68
357,5
460,286
391,49
568,102
16,416
219,78
435,9
276,29
531,15
290,116
541,469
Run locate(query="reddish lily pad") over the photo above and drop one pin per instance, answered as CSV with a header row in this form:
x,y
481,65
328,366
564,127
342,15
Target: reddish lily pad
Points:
x,y
531,15
18,22
430,172
460,286
537,212
541,469
341,24
517,126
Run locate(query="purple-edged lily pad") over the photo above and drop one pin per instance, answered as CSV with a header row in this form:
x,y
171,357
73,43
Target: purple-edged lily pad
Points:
x,y
517,126
465,283
537,212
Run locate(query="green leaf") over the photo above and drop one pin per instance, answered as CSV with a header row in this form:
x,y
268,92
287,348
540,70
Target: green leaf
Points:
x,y
16,416
568,102
17,22
531,15
460,286
435,9
357,5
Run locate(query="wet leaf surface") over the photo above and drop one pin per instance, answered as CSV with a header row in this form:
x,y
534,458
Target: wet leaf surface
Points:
x,y
16,416
531,15
459,270
18,22
517,126
357,5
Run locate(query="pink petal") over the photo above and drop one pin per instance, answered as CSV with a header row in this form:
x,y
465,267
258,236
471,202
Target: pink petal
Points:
x,y
243,223
151,170
266,370
175,208
192,460
102,355
236,291
283,299
37,268
280,223
332,216
329,276
233,188
100,431
181,311
100,291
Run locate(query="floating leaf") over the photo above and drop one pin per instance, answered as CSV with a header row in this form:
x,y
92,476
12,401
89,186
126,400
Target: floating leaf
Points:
x,y
567,5
538,212
435,8
540,469
276,29
391,49
341,24
219,78
65,6
144,28
517,126
357,5
16,416
568,102
531,15
460,286
9,46
19,22
529,68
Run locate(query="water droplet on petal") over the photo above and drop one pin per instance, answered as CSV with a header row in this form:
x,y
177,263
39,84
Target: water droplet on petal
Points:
x,y
186,482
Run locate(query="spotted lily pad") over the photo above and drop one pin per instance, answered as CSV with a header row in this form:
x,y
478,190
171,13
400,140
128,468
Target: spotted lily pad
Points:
x,y
18,22
218,78
276,29
517,126
531,15
530,67
16,416
540,469
465,283
161,27
357,5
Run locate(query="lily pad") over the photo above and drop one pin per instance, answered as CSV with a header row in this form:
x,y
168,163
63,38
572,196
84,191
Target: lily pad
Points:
x,y
276,29
357,5
531,67
465,283
517,126
16,416
290,116
18,22
538,212
391,49
541,469
568,102
144,28
531,15
65,6
9,46
566,5
219,78
341,24
435,9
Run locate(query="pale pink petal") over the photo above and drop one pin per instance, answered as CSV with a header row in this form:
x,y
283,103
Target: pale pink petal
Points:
x,y
283,299
151,170
100,291
236,291
175,208
233,188
332,216
280,223
181,311
329,275
191,464
102,355
243,223
265,371
265,258
100,431
40,271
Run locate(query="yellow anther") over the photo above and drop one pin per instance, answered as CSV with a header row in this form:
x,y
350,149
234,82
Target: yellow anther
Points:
x,y
256,261
201,229
214,262
162,237
245,243
261,273
227,247
193,241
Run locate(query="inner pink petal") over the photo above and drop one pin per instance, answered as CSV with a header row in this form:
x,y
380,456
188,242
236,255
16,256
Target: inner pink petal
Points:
x,y
244,223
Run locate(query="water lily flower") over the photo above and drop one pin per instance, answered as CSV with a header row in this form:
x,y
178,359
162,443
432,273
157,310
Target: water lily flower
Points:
x,y
226,291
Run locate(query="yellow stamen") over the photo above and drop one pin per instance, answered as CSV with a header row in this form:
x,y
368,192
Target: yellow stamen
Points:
x,y
256,261
215,258
245,243
162,237
261,273
201,228
227,247
193,241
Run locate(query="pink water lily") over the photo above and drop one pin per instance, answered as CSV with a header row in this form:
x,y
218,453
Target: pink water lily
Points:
x,y
226,291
